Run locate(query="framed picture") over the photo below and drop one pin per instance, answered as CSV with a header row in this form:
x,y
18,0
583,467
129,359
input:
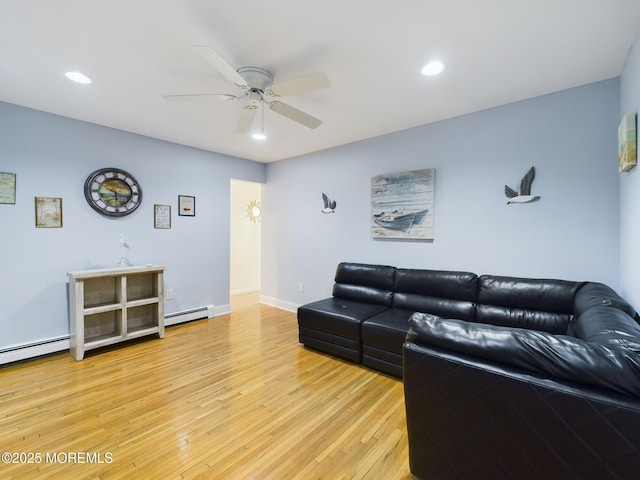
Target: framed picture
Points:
x,y
8,188
48,212
162,216
186,206
402,205
627,143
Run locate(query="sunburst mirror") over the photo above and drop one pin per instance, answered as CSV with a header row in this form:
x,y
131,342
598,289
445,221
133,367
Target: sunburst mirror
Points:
x,y
254,211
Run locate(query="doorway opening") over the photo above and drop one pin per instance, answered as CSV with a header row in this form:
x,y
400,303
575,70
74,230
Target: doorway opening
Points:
x,y
245,242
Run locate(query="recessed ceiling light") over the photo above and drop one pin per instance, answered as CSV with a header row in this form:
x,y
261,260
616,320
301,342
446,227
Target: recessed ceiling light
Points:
x,y
432,68
259,136
78,77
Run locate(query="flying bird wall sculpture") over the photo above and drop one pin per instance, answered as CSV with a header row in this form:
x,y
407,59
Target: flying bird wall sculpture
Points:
x,y
523,195
329,205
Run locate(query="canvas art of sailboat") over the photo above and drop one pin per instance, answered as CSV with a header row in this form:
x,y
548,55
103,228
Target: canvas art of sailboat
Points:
x,y
402,205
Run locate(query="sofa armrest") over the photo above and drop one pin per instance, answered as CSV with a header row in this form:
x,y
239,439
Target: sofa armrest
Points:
x,y
557,356
592,294
606,326
474,418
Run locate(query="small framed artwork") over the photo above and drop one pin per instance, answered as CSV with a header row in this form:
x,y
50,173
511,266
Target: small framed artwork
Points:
x,y
48,212
8,188
627,143
186,206
162,216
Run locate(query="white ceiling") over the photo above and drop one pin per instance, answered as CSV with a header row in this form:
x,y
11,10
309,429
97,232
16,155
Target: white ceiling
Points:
x,y
136,51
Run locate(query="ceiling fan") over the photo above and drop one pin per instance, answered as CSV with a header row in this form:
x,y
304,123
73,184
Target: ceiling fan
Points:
x,y
258,90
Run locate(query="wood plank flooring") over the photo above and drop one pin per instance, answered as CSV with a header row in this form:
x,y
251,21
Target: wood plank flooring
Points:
x,y
233,397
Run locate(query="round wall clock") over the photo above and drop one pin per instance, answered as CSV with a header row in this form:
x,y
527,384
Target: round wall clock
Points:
x,y
112,192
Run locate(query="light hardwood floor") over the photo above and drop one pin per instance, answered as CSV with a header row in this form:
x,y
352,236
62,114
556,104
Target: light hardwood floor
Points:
x,y
233,397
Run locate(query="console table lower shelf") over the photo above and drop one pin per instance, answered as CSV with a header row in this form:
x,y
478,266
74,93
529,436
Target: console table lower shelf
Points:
x,y
113,305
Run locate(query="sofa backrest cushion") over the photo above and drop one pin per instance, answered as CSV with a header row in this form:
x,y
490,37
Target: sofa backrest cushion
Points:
x,y
607,326
365,283
538,304
552,356
444,293
592,294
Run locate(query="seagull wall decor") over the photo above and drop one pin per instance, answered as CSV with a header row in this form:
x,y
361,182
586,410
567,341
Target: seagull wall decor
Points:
x,y
329,205
523,195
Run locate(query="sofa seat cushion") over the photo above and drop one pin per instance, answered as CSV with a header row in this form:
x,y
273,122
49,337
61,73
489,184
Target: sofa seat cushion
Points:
x,y
538,304
332,325
558,356
382,339
607,326
337,316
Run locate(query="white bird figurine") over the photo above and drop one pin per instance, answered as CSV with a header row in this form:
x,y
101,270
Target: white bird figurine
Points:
x,y
523,195
329,205
124,245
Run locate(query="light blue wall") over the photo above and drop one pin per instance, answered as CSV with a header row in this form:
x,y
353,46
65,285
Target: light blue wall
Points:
x,y
570,233
630,187
52,156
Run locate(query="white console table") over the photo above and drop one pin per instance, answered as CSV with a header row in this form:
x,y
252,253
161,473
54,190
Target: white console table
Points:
x,y
111,305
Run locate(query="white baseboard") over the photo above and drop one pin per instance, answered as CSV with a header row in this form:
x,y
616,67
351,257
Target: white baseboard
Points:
x,y
275,302
25,352
45,347
174,318
16,353
222,310
244,290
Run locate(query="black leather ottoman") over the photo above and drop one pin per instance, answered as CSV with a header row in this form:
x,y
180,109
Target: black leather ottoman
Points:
x,y
332,325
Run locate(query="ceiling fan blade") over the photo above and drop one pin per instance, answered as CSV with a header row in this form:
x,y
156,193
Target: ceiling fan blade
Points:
x,y
198,96
245,121
306,83
295,114
220,64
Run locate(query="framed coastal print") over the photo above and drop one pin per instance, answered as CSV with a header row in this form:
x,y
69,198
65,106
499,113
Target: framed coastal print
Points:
x,y
48,212
162,216
627,143
402,205
8,188
186,206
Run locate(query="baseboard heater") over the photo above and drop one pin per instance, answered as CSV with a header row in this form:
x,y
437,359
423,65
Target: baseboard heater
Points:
x,y
16,353
182,316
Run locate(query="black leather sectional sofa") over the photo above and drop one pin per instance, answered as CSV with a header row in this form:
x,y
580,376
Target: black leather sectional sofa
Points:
x,y
367,318
504,377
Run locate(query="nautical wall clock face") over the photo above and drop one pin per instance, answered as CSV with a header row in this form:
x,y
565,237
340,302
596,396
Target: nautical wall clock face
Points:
x,y
112,192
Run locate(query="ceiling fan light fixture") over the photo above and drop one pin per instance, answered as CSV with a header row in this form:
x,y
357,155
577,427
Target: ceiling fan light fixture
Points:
x,y
432,68
78,77
259,134
256,83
